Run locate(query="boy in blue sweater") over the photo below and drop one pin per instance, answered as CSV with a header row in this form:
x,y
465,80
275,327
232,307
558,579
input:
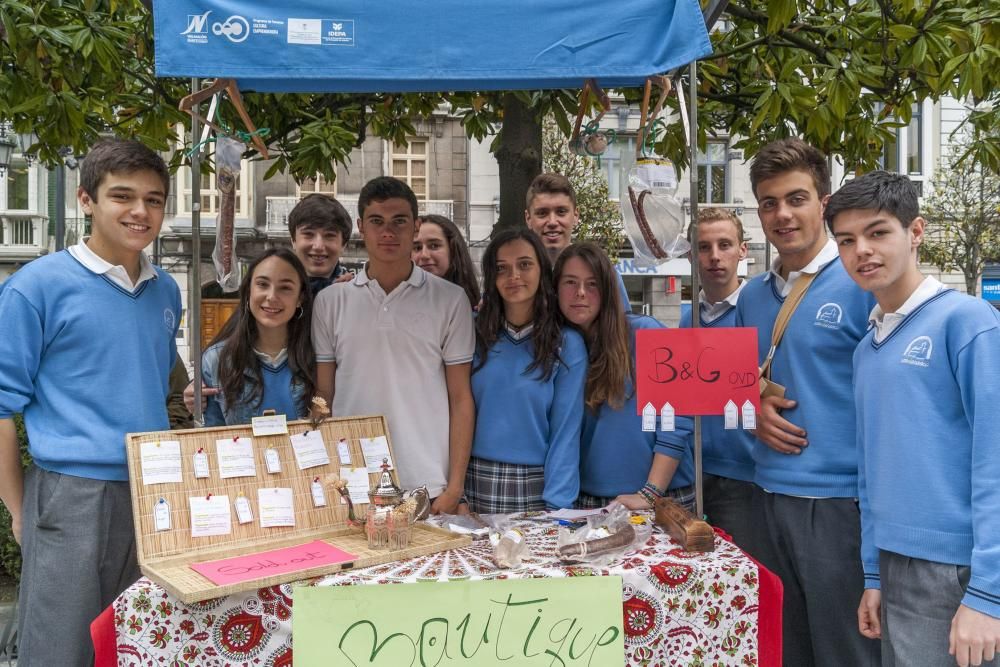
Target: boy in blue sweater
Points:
x,y
86,348
926,389
807,528
728,466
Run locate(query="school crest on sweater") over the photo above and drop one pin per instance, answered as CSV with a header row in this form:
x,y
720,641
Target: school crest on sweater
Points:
x,y
918,352
829,316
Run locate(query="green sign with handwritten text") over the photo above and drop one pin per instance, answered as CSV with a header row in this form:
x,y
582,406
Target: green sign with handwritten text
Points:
x,y
568,622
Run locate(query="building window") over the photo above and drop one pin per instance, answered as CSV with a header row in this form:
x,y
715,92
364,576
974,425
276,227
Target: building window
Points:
x,y
713,172
409,164
18,187
318,184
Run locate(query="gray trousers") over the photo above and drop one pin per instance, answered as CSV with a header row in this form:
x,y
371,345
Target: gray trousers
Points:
x,y
78,550
814,546
729,505
919,599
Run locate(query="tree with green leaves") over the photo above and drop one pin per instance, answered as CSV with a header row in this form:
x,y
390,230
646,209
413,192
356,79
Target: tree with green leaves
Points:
x,y
963,217
600,218
843,75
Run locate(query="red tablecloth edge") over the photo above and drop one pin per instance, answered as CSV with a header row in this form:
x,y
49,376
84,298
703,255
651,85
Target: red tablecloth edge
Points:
x,y
102,631
768,612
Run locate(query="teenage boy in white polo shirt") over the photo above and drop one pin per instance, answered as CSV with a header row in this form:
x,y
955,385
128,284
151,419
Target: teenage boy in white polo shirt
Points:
x,y
399,341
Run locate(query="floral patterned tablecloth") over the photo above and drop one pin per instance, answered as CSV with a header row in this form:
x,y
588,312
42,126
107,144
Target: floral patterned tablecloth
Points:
x,y
678,608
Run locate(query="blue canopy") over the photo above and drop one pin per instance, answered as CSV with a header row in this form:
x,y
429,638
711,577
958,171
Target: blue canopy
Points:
x,y
394,46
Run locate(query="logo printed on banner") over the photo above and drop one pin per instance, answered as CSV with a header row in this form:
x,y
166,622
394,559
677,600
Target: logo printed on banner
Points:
x,y
235,28
829,315
918,352
197,23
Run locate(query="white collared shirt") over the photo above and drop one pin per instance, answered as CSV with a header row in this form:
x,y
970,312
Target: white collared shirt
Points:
x,y
828,254
272,361
713,311
116,274
519,334
885,323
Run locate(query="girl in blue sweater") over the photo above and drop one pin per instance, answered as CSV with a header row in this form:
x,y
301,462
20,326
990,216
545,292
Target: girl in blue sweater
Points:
x,y
528,377
618,460
263,357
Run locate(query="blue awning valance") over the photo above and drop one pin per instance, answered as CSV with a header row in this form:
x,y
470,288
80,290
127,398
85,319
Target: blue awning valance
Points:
x,y
440,45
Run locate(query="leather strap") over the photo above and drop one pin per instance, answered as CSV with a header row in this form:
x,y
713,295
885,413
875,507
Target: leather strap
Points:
x,y
784,317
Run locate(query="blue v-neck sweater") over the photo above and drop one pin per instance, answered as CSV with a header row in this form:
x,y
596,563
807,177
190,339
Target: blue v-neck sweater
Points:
x,y
616,454
86,362
528,421
813,362
929,438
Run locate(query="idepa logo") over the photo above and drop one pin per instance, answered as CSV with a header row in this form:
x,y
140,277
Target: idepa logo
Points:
x,y
235,28
918,352
338,26
829,316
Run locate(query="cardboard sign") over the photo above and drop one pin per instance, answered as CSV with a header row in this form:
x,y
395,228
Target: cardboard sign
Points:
x,y
276,561
570,622
697,371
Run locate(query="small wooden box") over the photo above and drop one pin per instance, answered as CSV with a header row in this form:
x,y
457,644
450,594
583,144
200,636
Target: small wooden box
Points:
x,y
166,556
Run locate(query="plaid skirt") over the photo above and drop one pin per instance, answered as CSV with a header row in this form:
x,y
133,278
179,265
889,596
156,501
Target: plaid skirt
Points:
x,y
493,487
683,495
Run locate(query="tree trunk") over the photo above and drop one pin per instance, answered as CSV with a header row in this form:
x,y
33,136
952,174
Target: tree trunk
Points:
x,y
519,158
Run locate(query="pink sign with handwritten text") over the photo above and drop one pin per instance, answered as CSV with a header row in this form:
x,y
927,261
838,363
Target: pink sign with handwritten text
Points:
x,y
267,563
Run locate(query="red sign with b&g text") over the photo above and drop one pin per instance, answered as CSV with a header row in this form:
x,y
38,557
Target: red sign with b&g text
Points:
x,y
697,371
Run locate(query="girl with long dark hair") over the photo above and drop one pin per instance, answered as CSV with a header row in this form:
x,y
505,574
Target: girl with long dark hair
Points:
x,y
439,248
618,460
528,377
263,357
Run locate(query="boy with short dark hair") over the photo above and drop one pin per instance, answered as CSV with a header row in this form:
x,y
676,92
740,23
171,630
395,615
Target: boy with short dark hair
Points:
x,y
86,347
926,387
320,228
393,328
550,211
807,528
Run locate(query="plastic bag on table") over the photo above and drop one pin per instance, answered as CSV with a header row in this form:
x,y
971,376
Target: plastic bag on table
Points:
x,y
604,538
227,170
509,544
654,219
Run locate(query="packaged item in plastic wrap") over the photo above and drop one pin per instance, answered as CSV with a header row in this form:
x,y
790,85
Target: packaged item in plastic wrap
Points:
x,y
603,539
654,219
227,170
509,545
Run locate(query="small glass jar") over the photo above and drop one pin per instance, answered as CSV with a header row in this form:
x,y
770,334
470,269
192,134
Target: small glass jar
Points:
x,y
377,527
400,527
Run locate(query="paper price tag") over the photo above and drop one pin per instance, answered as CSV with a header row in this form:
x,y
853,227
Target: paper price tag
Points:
x,y
244,513
269,425
649,418
319,496
344,452
161,515
272,461
749,416
667,421
200,465
732,414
